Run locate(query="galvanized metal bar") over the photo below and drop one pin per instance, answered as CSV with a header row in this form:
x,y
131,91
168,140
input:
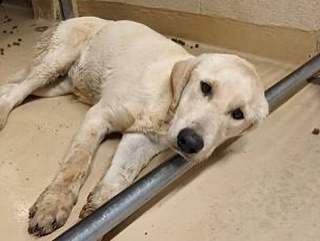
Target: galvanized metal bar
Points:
x,y
131,199
290,84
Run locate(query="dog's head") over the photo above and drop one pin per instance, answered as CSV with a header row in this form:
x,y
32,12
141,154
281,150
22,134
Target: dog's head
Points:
x,y
215,97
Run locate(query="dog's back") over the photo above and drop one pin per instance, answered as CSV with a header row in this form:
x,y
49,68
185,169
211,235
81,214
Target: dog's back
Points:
x,y
119,51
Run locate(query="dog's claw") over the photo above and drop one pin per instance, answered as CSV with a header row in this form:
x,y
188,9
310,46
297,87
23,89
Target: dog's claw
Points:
x,y
87,209
49,213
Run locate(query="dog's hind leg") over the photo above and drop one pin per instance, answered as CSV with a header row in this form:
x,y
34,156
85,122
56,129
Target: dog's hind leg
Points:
x,y
57,62
52,208
55,55
63,86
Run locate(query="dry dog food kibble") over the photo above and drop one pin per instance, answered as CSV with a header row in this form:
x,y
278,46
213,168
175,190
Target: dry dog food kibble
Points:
x,y
316,131
178,41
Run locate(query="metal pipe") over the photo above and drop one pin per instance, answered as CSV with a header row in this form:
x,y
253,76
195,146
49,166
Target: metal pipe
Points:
x,y
293,82
131,199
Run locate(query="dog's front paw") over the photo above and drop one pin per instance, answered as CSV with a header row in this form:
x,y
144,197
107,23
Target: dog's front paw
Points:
x,y
95,199
91,205
49,212
87,209
100,195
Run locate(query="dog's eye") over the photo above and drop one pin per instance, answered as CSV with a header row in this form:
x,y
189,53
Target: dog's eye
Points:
x,y
206,88
237,114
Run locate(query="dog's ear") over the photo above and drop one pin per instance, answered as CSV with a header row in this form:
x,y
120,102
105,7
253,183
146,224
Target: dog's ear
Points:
x,y
180,77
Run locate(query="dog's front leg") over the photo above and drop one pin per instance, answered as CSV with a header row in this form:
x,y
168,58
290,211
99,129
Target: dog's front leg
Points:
x,y
134,152
54,205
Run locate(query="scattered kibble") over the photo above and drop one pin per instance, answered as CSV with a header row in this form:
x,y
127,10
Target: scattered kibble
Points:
x,y
19,39
178,41
9,45
196,45
11,32
316,131
4,31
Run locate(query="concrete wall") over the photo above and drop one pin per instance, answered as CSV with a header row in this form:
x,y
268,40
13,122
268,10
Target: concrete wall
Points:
x,y
301,14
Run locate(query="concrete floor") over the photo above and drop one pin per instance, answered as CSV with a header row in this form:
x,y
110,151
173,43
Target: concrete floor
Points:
x,y
265,186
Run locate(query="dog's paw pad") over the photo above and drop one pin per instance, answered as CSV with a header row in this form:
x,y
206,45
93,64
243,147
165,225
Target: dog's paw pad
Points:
x,y
45,216
43,226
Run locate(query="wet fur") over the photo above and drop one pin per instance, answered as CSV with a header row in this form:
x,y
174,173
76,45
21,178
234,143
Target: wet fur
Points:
x,y
138,83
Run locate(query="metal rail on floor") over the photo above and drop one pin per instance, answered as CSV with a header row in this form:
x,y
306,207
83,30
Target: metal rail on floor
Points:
x,y
131,199
292,83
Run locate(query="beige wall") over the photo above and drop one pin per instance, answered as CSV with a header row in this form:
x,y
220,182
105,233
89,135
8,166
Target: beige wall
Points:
x,y
301,14
289,45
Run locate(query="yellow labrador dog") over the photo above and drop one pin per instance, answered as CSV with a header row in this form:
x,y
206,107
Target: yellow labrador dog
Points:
x,y
138,83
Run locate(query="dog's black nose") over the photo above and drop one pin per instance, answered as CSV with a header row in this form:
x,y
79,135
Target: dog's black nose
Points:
x,y
189,141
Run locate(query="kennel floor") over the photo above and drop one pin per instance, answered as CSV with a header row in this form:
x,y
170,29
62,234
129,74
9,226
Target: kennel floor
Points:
x,y
264,187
